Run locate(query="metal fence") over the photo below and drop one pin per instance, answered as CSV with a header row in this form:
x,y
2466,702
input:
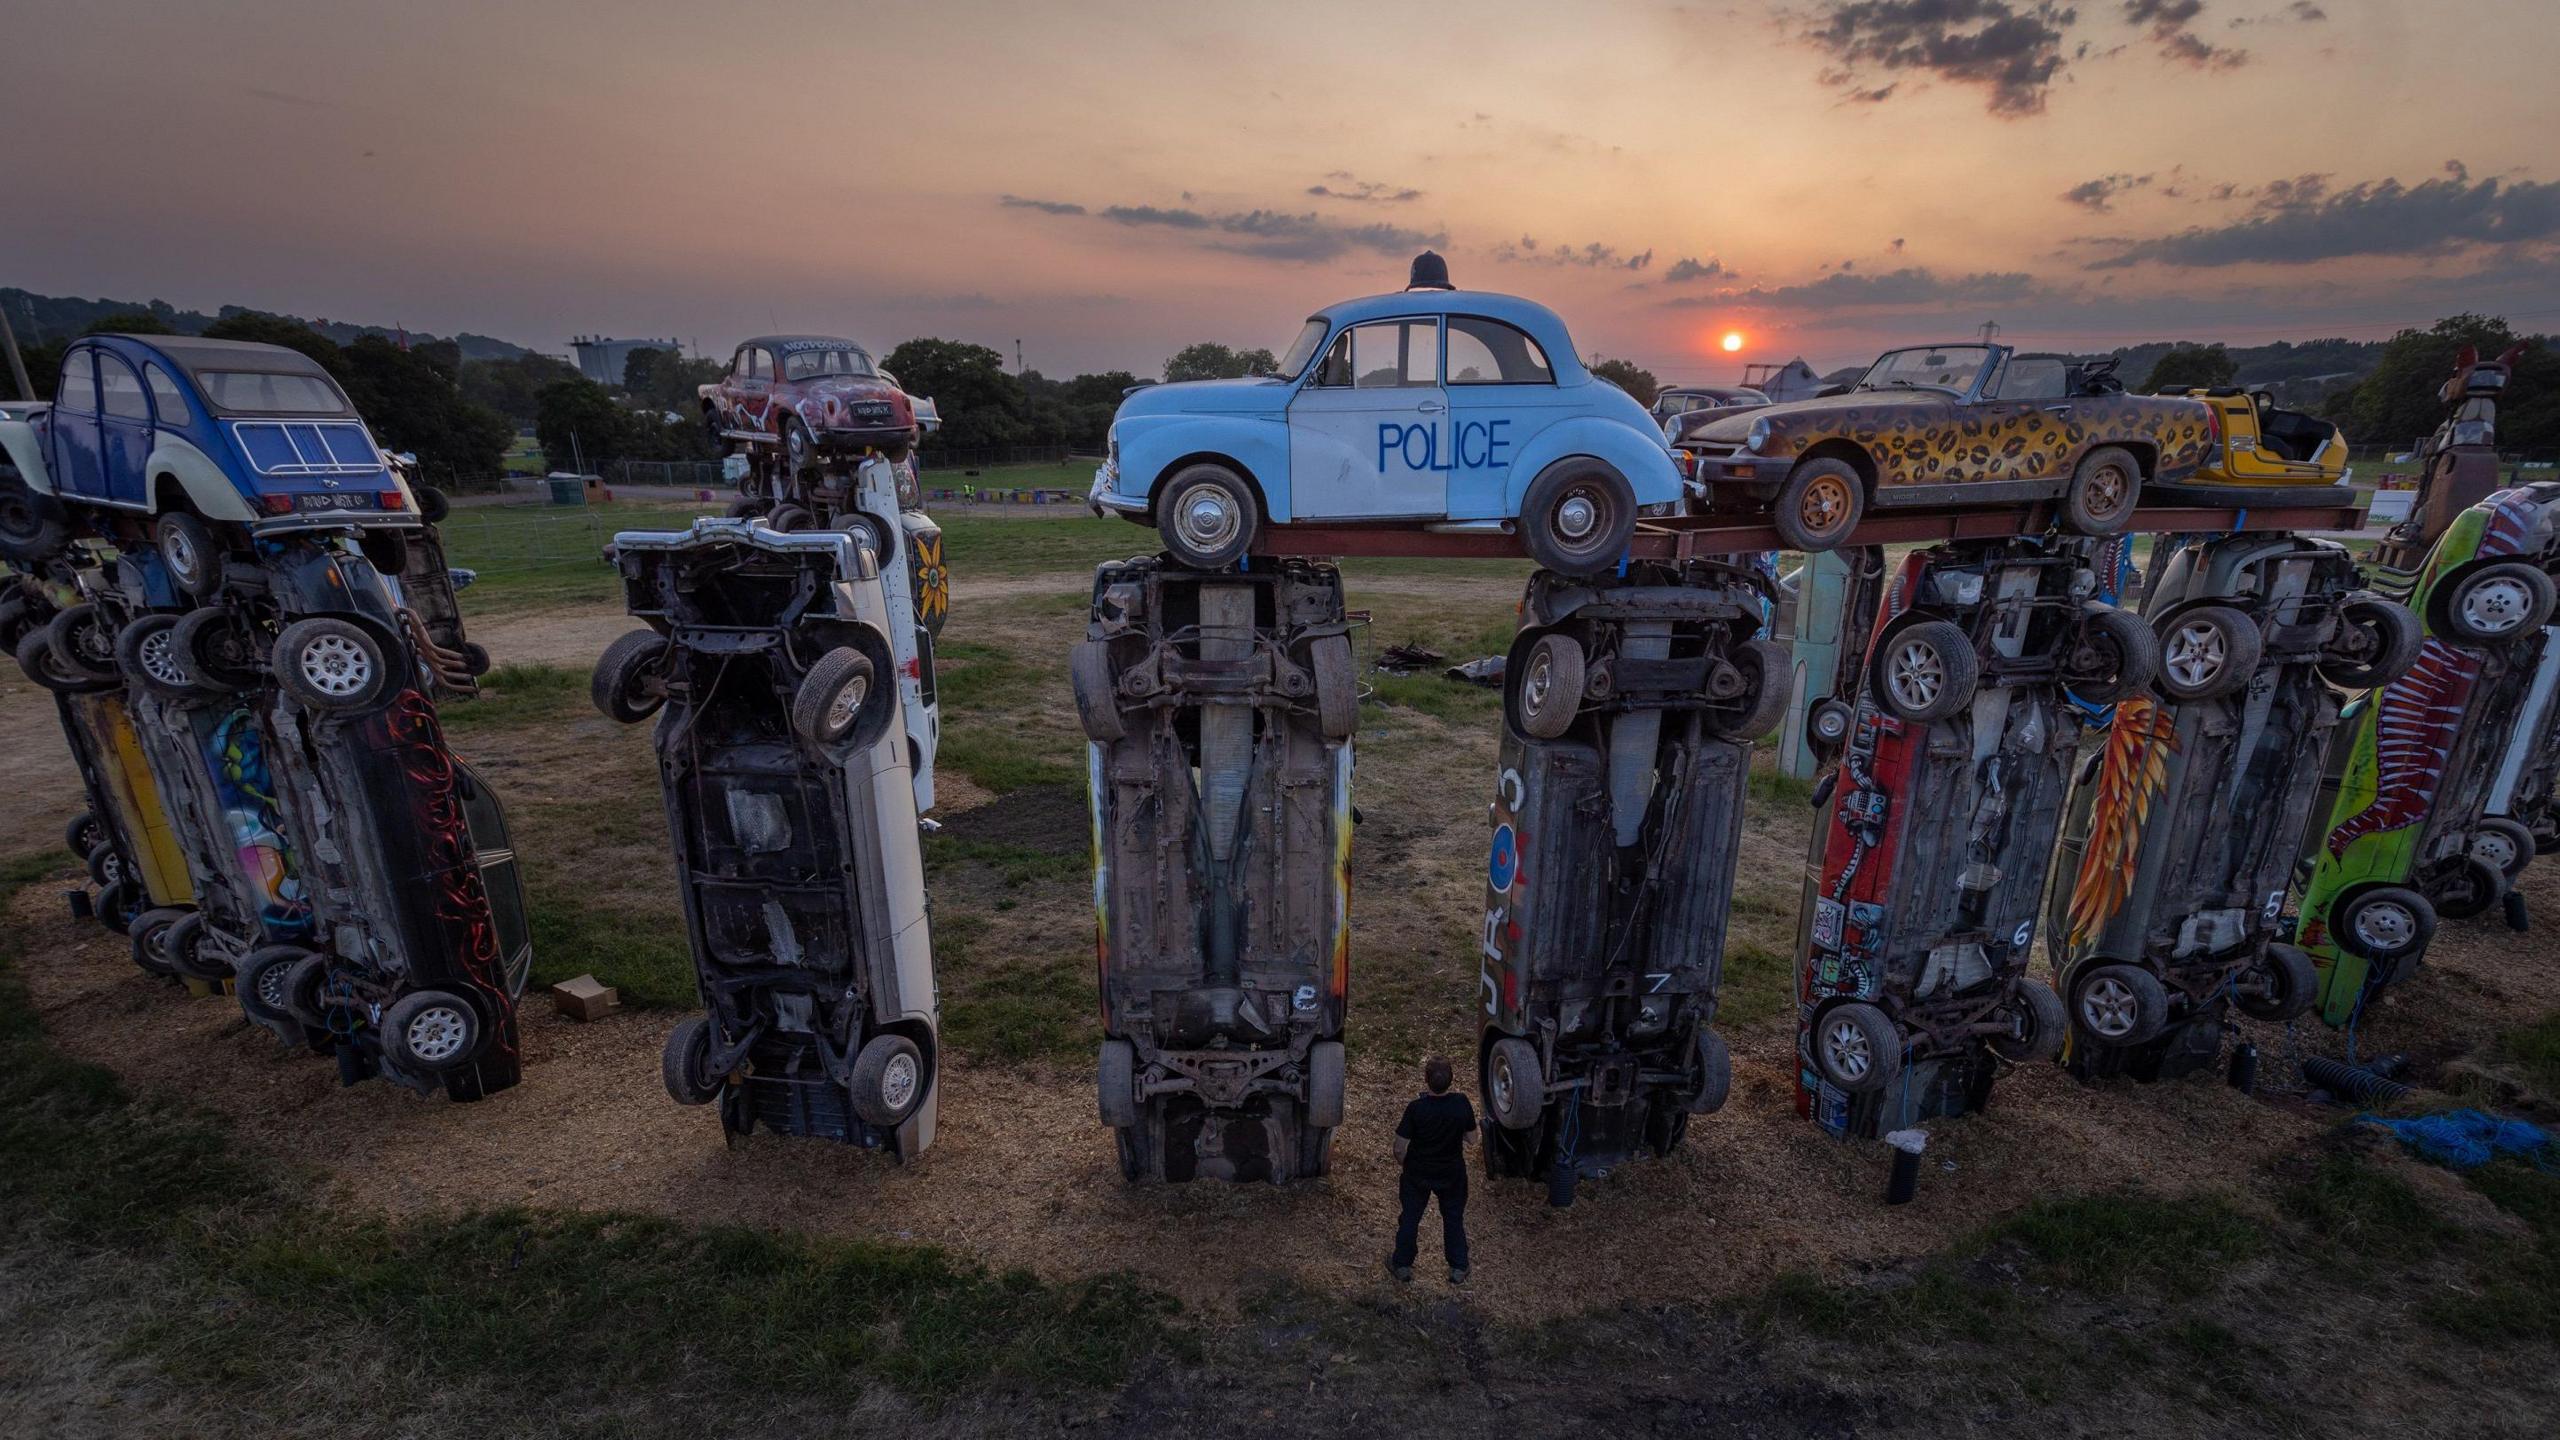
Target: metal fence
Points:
x,y
931,459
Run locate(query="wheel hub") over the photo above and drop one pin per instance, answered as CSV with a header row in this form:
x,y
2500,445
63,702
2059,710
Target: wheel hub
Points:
x,y
1917,676
848,703
1209,520
1851,1058
160,658
2496,607
1577,517
436,1035
336,666
2109,1007
898,1081
2386,927
2196,655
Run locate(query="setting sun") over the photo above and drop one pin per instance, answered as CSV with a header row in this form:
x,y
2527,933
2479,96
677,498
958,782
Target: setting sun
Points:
x,y
1732,341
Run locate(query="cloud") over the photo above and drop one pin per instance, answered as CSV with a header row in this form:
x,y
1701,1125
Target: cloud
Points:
x,y
1594,256
1045,207
1264,234
2301,220
1685,270
2014,51
2305,11
2100,194
2168,22
1343,185
1912,285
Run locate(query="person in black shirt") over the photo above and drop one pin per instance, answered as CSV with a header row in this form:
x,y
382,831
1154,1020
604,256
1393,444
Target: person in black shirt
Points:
x,y
1432,1143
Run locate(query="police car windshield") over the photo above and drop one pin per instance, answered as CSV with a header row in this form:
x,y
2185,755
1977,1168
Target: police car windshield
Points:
x,y
810,364
258,392
1302,350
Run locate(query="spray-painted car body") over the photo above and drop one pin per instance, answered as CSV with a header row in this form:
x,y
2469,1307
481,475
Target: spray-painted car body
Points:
x,y
146,867
809,395
1222,904
208,756
1612,867
2259,444
2179,848
1930,856
797,853
2406,836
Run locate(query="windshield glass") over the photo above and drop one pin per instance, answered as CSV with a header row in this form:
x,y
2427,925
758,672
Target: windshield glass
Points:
x,y
1951,368
1302,350
810,364
256,392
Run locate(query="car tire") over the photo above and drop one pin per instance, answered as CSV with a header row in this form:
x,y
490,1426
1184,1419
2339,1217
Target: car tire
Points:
x,y
1819,505
84,643
2119,1005
428,1032
1857,1048
2492,605
433,506
33,528
325,663
83,833
2465,889
145,932
475,658
188,547
629,683
1326,1084
1578,516
386,550
1515,1092
106,864
1768,673
744,509
685,1063
789,519
2386,639
838,698
2037,1025
1097,701
264,980
2504,845
184,948
2384,924
2104,489
146,650
1827,725
1207,517
2546,830
116,905
2279,986
797,448
1548,692
306,990
2208,652
1925,672
1116,1084
2114,654
36,658
1337,686
1715,1074
213,650
889,1081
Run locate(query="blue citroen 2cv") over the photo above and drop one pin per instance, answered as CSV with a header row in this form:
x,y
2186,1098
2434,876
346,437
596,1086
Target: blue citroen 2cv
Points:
x,y
1452,409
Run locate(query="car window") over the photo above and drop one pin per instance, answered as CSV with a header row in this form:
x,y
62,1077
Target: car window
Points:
x,y
166,396
2030,377
1488,352
1301,349
260,392
811,364
120,390
79,387
743,363
1395,354
761,361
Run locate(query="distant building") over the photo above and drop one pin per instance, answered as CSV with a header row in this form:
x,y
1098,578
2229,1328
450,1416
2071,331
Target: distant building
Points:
x,y
602,359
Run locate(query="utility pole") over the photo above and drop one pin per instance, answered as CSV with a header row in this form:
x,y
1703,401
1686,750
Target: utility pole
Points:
x,y
1017,354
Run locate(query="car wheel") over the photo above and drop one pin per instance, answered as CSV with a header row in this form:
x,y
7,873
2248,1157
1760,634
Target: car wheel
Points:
x,y
186,949
32,526
630,681
115,906
2103,491
2494,604
1116,1084
2546,830
1337,686
430,1031
83,833
1715,1074
475,658
2208,652
789,519
146,931
2114,653
1097,699
1827,724
84,644
265,983
213,648
1548,692
1819,505
714,431
2503,845
685,1063
106,864
36,658
839,694
2120,1005
2465,888
1857,1047
187,547
1207,517
327,663
2279,986
745,509
1514,1090
1768,673
2384,924
1578,516
432,504
306,990
1325,1084
147,650
797,448
2036,1024
1926,672
888,1081
2376,643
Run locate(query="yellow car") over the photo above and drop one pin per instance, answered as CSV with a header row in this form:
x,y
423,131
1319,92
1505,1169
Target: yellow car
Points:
x,y
2258,444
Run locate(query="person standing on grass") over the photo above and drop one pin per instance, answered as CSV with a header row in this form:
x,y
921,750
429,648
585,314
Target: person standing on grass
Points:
x,y
1432,1142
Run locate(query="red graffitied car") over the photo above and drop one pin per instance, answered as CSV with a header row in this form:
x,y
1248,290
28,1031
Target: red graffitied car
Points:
x,y
811,395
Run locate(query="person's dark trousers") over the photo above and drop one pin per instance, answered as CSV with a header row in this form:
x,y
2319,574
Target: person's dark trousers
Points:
x,y
1417,1191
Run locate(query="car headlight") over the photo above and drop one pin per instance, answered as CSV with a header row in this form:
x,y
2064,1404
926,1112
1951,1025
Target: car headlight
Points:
x,y
1758,437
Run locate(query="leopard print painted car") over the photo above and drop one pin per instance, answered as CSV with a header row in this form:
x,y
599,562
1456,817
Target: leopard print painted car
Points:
x,y
2009,432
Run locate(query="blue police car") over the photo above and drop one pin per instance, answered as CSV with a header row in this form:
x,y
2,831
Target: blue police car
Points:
x,y
197,447
1454,409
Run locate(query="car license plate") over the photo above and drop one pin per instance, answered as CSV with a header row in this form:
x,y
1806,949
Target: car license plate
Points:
x,y
869,410
333,500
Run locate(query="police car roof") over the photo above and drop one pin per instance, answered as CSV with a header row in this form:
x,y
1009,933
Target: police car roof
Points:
x,y
1543,324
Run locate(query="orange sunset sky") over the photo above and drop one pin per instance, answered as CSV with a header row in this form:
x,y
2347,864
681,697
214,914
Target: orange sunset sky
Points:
x,y
1108,181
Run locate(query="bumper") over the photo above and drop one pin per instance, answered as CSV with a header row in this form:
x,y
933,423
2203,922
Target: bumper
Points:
x,y
1105,499
863,437
1740,468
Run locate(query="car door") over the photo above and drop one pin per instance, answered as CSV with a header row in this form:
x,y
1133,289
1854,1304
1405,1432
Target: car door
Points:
x,y
1367,433
124,431
1502,392
79,466
2023,424
755,390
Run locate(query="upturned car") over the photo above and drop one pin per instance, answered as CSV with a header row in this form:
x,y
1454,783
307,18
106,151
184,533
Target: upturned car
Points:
x,y
1950,425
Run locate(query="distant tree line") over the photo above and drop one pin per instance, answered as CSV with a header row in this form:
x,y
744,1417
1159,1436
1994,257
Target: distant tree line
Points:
x,y
2396,398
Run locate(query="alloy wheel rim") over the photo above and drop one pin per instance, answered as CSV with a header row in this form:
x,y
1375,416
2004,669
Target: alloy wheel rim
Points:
x,y
2495,850
336,666
2109,1006
1918,677
159,657
1851,1058
436,1034
2196,655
